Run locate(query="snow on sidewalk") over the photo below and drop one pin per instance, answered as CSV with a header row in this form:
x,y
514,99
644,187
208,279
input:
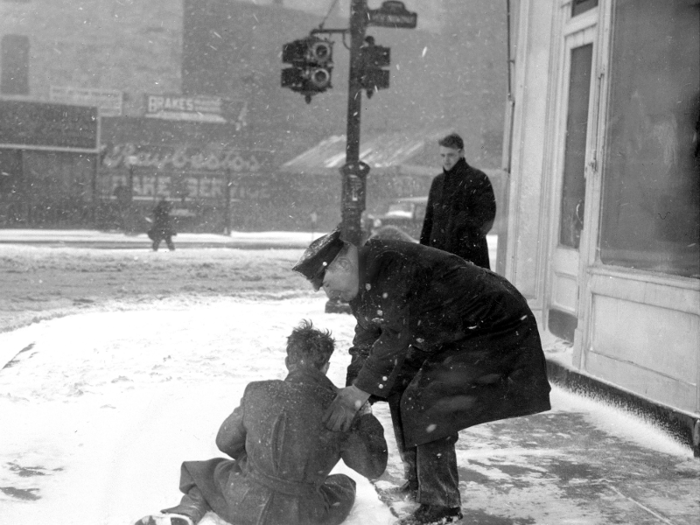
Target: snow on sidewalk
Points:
x,y
99,412
100,409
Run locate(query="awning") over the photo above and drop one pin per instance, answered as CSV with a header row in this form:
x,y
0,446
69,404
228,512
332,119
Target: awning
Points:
x,y
398,153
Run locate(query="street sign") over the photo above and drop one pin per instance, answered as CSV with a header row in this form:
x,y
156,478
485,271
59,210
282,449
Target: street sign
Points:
x,y
393,14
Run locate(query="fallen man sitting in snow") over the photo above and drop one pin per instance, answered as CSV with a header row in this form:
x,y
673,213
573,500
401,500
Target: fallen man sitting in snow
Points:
x,y
282,453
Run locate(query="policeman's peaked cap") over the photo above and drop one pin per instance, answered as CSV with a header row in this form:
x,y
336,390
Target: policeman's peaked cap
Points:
x,y
318,256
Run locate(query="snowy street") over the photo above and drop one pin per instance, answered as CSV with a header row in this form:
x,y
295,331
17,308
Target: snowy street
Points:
x,y
98,409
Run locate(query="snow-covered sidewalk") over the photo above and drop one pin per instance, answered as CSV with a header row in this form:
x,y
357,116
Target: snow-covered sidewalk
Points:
x,y
99,409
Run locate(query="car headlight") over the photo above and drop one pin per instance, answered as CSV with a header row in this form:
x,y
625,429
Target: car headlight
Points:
x,y
376,223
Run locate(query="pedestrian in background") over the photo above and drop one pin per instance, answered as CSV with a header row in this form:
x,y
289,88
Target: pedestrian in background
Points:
x,y
124,198
162,228
461,206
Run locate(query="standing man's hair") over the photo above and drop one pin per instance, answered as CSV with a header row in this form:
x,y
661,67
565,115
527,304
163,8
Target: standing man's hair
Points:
x,y
452,140
308,346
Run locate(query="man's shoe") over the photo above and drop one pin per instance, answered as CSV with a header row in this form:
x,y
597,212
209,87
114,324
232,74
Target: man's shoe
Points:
x,y
165,519
433,515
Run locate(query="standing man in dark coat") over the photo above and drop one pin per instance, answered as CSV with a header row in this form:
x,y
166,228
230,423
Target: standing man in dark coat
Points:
x,y
162,225
449,345
282,453
461,206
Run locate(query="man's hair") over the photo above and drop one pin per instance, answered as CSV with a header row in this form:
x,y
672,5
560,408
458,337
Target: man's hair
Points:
x,y
452,140
308,346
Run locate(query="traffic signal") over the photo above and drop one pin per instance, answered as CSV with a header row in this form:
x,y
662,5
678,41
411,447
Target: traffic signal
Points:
x,y
373,59
312,64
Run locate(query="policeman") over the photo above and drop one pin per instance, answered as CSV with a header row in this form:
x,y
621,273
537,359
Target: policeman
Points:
x,y
447,344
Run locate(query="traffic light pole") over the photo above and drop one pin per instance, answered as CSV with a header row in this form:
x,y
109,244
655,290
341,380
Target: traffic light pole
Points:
x,y
354,173
311,56
365,74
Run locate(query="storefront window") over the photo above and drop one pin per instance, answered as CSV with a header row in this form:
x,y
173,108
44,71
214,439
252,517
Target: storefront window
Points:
x,y
651,179
574,184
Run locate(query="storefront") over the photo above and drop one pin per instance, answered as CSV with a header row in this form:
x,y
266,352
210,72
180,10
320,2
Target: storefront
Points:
x,y
48,162
604,223
211,172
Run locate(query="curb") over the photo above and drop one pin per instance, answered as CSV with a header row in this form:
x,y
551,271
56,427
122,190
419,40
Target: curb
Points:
x,y
683,426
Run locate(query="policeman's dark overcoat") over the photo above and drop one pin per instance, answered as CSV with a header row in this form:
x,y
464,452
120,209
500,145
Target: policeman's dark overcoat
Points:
x,y
460,212
282,455
459,341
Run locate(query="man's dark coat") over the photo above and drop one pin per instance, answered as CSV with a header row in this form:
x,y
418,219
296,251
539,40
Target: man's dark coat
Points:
x,y
460,212
282,456
459,341
162,228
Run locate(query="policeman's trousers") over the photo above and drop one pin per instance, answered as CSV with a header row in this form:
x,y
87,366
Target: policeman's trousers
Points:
x,y
431,468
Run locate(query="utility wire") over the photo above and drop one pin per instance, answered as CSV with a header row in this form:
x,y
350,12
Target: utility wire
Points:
x,y
330,10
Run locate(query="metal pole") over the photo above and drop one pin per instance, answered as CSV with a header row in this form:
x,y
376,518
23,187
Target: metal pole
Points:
x,y
93,188
129,211
357,35
354,172
131,183
227,203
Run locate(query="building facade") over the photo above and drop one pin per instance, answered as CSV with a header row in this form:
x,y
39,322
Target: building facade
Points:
x,y
604,207
191,106
59,58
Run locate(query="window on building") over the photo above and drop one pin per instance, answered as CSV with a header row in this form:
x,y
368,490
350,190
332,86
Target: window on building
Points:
x,y
581,6
573,195
14,65
651,179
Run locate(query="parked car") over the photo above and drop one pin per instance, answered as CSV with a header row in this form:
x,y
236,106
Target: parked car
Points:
x,y
405,214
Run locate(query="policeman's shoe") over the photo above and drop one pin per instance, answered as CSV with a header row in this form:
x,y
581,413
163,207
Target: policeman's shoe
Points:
x,y
165,519
407,492
433,515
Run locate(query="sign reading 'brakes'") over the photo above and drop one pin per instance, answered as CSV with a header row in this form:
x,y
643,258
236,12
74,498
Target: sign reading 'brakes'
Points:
x,y
196,109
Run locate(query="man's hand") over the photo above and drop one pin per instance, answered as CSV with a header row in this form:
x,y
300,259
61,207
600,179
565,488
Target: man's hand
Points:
x,y
342,410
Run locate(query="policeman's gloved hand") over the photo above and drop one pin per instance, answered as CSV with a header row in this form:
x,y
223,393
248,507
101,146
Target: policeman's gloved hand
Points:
x,y
342,410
